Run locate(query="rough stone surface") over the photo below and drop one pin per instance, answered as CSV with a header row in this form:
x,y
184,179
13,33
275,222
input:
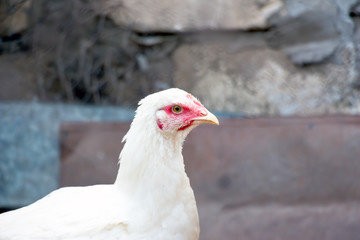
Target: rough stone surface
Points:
x,y
18,20
228,76
29,140
306,62
311,31
308,38
266,57
258,179
174,16
17,78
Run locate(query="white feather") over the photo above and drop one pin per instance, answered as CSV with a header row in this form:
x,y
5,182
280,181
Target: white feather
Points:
x,y
150,199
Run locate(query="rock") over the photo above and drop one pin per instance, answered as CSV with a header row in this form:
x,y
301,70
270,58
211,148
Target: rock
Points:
x,y
259,80
309,38
17,78
280,161
357,47
295,8
29,140
310,31
14,16
175,16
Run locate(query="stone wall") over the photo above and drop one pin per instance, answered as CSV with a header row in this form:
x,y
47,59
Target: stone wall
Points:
x,y
258,57
263,57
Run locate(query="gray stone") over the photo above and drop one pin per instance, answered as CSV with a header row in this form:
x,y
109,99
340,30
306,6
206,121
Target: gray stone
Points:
x,y
309,38
29,141
310,31
260,80
174,16
17,78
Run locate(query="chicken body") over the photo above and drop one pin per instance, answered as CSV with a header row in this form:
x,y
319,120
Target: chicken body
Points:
x,y
151,197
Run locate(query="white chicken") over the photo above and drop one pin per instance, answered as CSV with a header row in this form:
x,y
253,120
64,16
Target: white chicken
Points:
x,y
151,197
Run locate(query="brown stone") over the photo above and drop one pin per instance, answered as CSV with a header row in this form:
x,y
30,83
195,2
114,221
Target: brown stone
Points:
x,y
276,160
89,152
272,222
262,178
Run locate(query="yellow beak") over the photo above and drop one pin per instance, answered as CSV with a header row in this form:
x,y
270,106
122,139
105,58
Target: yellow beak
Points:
x,y
208,118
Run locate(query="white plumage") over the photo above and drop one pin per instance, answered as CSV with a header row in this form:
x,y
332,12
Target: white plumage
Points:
x,y
151,197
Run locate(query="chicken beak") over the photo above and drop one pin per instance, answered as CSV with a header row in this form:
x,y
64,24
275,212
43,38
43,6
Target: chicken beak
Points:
x,y
208,117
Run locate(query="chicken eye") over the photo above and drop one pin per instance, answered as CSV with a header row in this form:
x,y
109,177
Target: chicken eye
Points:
x,y
176,109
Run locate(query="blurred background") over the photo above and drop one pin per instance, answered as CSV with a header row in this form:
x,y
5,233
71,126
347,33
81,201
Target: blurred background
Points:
x,y
282,75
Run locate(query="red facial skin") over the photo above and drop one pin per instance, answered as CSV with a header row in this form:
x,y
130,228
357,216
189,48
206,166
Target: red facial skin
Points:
x,y
194,100
186,115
